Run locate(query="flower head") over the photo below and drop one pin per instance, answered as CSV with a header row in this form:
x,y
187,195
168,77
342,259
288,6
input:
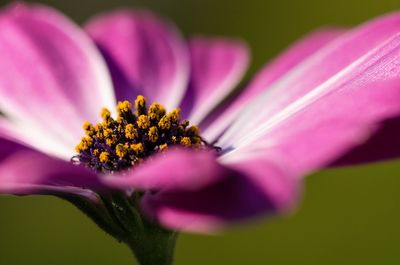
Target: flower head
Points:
x,y
195,163
120,144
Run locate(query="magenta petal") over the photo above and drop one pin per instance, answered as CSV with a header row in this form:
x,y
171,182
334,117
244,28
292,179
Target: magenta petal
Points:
x,y
270,73
175,169
252,188
331,126
217,65
24,171
50,72
190,189
145,55
383,145
367,53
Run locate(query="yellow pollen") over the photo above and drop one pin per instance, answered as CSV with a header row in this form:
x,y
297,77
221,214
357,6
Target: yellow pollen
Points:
x,y
140,104
89,129
174,115
105,114
137,148
131,132
84,145
107,132
163,147
98,129
186,141
153,134
143,122
164,123
104,157
111,141
120,150
156,111
96,152
124,107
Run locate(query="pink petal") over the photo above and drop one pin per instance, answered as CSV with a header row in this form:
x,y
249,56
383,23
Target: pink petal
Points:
x,y
324,68
191,190
24,171
383,145
175,169
253,188
268,75
145,54
330,126
217,65
52,77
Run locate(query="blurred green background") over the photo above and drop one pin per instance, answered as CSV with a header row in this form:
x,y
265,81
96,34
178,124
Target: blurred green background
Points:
x,y
347,216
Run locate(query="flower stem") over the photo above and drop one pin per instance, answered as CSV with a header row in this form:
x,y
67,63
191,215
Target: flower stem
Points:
x,y
119,215
150,243
153,246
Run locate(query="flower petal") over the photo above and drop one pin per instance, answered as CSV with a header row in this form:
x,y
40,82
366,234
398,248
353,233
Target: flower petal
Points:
x,y
175,169
329,127
253,187
190,190
217,65
24,171
383,145
145,54
269,74
325,66
55,84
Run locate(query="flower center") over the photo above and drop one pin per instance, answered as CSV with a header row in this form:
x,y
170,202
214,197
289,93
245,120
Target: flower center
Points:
x,y
117,144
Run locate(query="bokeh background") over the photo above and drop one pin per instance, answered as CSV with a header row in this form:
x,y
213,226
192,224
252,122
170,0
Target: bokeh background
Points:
x,y
347,216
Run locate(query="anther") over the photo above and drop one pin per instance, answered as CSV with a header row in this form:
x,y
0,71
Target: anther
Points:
x,y
153,134
140,105
104,157
143,122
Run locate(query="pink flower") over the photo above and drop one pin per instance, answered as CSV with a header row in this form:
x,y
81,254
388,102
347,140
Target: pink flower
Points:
x,y
311,107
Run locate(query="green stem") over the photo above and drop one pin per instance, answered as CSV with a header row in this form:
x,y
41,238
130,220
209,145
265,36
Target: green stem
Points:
x,y
119,216
150,243
153,246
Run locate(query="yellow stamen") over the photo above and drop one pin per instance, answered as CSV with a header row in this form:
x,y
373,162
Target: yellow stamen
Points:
x,y
186,141
143,122
131,132
111,141
163,147
140,104
153,134
175,115
96,152
105,114
156,111
107,132
164,123
104,157
84,145
120,150
124,107
137,148
89,129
